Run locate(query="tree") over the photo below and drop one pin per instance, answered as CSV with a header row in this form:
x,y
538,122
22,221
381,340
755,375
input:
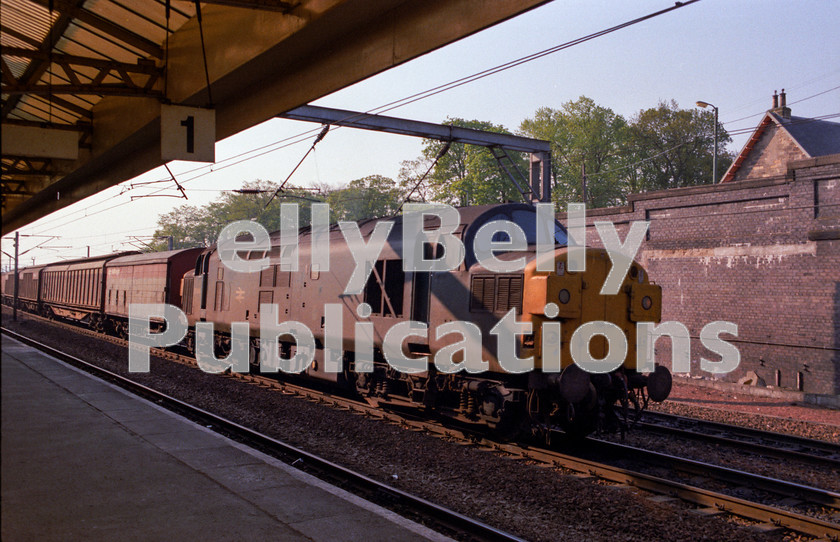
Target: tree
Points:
x,y
188,225
413,180
468,174
373,196
673,147
582,134
192,226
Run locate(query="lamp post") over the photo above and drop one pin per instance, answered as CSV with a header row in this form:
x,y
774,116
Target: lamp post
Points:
x,y
714,156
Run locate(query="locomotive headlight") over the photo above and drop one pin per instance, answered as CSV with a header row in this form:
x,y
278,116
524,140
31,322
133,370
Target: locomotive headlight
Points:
x,y
564,296
647,302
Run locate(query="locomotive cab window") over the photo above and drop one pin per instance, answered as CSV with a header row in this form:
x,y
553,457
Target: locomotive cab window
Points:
x,y
384,288
527,220
524,216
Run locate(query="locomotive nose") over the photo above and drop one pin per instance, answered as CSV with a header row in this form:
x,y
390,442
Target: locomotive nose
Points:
x,y
574,299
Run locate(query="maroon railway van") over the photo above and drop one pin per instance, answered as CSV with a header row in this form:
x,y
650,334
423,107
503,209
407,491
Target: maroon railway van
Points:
x,y
144,278
74,290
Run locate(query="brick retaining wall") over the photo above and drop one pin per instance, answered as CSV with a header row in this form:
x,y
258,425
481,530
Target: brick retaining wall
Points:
x,y
763,254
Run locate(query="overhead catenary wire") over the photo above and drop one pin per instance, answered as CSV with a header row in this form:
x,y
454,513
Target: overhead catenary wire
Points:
x,y
320,136
298,138
443,150
180,188
734,132
433,91
796,122
791,103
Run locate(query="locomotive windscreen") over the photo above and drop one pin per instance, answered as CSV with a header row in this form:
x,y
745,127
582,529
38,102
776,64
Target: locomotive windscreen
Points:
x,y
522,215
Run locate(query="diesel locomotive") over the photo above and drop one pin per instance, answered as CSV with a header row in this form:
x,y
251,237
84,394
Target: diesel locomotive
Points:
x,y
555,393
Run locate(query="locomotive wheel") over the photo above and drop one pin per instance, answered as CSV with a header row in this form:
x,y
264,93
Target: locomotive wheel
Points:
x,y
254,359
189,344
578,420
577,426
659,384
222,348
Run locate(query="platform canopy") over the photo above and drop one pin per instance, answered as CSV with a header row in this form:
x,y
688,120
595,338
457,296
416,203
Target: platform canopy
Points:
x,y
84,80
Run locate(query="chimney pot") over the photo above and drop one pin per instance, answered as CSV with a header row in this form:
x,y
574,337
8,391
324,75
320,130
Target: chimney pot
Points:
x,y
783,97
775,99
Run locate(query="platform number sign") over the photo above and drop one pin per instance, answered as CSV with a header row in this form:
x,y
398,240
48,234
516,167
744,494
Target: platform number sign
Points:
x,y
187,133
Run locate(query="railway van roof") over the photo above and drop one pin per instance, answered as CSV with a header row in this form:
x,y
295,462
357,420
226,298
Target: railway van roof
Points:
x,y
155,257
85,263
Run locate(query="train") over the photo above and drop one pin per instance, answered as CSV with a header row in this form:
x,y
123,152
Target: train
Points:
x,y
96,292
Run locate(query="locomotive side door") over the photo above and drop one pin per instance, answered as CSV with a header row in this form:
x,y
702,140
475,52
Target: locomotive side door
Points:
x,y
202,266
420,292
205,267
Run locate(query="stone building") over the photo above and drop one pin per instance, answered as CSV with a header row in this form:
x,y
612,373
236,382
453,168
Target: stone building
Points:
x,y
761,250
780,139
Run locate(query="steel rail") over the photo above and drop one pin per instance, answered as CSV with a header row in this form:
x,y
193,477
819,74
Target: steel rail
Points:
x,y
725,474
763,442
702,497
442,516
771,516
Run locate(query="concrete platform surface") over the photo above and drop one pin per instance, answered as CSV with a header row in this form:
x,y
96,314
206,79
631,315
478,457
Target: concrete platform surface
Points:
x,y
85,460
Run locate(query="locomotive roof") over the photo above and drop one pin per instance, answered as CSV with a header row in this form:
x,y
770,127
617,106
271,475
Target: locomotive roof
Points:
x,y
471,219
468,215
31,268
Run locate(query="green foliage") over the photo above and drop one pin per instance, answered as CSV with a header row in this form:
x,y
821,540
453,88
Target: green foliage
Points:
x,y
188,226
673,147
373,196
466,174
192,226
661,147
582,134
413,180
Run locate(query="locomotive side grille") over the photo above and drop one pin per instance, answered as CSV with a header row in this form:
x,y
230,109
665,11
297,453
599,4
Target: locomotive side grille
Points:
x,y
283,279
267,277
483,293
188,294
509,294
496,293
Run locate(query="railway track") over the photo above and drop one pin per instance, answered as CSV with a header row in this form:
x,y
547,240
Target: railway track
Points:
x,y
792,494
712,502
816,452
448,521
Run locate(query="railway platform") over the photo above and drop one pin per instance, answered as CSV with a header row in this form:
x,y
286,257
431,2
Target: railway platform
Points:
x,y
85,460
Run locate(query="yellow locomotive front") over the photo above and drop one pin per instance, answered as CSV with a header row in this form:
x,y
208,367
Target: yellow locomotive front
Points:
x,y
584,343
560,348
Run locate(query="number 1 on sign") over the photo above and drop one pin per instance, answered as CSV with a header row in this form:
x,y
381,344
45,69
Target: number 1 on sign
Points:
x,y
187,133
189,124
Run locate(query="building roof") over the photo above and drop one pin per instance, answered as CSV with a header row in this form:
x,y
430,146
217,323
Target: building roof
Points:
x,y
816,137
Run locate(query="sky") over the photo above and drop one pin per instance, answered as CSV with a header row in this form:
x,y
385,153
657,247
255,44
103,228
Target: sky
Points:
x,y
733,54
